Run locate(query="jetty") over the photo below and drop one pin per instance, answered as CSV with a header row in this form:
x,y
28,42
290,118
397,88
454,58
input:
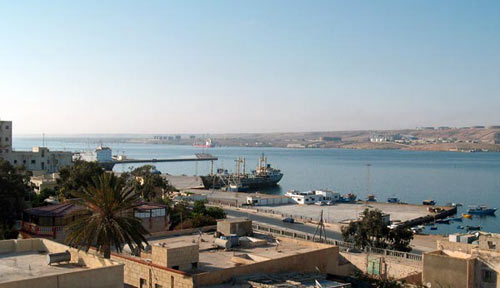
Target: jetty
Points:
x,y
197,157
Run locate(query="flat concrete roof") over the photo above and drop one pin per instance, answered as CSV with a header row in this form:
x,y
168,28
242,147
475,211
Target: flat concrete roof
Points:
x,y
341,212
30,264
212,259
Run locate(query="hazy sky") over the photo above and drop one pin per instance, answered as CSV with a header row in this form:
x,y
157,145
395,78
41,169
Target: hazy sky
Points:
x,y
247,66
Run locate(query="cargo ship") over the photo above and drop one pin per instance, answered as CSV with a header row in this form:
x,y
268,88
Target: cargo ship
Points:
x,y
263,176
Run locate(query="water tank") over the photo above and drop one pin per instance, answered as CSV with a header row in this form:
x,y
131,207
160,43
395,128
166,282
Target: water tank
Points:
x,y
221,243
58,257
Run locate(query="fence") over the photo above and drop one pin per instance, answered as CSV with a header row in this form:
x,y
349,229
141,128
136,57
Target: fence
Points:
x,y
341,244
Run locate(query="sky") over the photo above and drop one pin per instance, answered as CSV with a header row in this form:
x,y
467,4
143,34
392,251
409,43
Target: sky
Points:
x,y
72,67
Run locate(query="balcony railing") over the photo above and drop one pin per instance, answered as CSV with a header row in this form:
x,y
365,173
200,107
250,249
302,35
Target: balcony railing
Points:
x,y
33,229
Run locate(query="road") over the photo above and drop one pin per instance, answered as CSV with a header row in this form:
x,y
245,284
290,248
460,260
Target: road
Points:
x,y
277,222
300,227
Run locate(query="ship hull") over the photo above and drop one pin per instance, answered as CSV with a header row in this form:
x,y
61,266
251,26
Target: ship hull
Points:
x,y
219,181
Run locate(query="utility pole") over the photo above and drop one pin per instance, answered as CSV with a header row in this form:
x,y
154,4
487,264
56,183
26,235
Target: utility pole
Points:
x,y
320,230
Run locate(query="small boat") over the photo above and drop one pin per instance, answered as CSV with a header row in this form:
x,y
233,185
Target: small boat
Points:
x,y
456,204
473,228
434,228
429,202
371,198
460,227
481,210
393,200
468,216
443,221
455,219
421,227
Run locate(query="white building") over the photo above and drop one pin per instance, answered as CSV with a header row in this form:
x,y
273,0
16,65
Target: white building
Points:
x,y
40,160
101,154
310,197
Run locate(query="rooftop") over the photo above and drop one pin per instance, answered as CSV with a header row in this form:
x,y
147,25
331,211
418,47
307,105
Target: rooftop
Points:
x,y
212,259
56,210
30,264
24,259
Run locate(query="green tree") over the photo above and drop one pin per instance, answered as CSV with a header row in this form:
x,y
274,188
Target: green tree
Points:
x,y
15,189
110,221
371,231
153,185
216,212
77,177
38,200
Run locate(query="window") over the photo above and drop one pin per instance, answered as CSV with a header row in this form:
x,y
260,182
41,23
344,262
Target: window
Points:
x,y
142,283
489,276
7,127
24,161
172,283
33,161
15,161
158,286
158,212
6,138
492,245
142,214
194,265
176,267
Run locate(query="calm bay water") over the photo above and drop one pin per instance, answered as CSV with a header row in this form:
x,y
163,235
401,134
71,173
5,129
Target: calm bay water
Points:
x,y
412,176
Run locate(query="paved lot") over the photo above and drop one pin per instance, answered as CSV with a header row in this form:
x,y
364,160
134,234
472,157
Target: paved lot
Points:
x,y
345,212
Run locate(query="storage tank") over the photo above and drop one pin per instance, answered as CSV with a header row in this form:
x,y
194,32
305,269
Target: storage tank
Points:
x,y
222,243
58,257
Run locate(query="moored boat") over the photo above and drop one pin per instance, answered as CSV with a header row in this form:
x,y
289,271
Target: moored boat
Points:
x,y
429,202
455,219
393,200
481,210
443,221
467,216
473,228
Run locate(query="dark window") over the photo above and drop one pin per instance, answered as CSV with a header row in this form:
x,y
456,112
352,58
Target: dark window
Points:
x,y
15,161
24,161
142,283
33,161
194,265
172,283
175,267
7,127
158,286
6,138
489,276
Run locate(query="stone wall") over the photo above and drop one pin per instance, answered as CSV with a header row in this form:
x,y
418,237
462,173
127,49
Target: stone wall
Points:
x,y
391,267
152,274
441,270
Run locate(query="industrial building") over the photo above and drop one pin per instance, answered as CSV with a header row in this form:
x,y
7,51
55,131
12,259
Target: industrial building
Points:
x,y
40,160
311,197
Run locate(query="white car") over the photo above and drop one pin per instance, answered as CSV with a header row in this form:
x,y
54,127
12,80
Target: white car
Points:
x,y
319,203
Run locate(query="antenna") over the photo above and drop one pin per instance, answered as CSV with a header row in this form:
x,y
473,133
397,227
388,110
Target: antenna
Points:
x,y
43,139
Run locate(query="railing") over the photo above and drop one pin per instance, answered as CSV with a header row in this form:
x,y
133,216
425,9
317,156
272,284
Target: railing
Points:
x,y
34,229
341,244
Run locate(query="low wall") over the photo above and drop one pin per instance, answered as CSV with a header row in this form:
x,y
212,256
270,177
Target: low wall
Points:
x,y
325,259
181,232
394,268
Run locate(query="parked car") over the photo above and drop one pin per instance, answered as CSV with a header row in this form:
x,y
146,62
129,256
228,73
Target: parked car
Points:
x,y
319,203
289,220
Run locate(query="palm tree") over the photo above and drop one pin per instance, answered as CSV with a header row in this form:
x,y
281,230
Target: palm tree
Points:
x,y
110,221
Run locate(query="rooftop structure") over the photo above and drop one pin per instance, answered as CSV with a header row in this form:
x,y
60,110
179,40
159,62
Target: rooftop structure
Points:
x,y
460,264
23,263
311,197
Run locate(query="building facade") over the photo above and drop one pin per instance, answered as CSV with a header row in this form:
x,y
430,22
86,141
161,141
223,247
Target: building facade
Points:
x,y
5,137
40,160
